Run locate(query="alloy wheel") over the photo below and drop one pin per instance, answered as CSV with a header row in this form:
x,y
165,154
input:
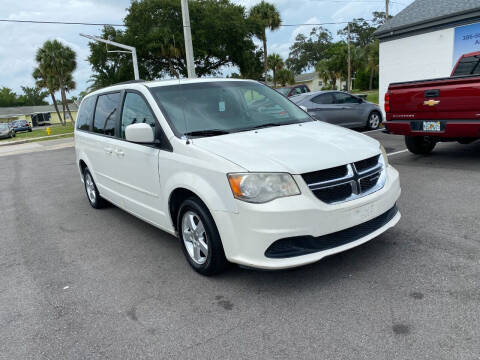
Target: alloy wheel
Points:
x,y
90,186
194,237
374,121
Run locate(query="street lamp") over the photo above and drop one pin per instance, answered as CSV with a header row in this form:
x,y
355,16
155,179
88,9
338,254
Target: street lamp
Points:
x,y
129,50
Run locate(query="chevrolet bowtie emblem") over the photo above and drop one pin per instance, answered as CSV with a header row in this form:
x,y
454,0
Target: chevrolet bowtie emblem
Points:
x,y
431,102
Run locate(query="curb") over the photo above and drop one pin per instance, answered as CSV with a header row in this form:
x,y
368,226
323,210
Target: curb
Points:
x,y
18,142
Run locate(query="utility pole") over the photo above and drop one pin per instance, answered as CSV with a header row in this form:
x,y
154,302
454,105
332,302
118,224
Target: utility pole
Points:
x,y
187,34
349,60
386,9
130,50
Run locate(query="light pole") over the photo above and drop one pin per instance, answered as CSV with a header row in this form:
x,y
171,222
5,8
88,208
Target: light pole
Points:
x,y
130,50
349,61
187,34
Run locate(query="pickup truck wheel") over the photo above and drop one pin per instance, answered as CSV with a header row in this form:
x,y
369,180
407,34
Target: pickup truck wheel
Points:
x,y
93,195
420,145
374,120
200,239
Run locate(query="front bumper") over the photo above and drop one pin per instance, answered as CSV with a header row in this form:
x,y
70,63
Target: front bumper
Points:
x,y
450,129
248,234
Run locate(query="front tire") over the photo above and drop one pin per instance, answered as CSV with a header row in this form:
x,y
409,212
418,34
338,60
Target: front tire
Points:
x,y
420,145
93,195
200,239
374,120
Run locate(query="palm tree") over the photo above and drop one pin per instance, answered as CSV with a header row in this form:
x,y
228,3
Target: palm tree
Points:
x,y
372,61
285,77
274,63
58,61
266,16
44,82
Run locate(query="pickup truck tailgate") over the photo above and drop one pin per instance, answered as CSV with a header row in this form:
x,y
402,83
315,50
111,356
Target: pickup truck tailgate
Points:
x,y
455,98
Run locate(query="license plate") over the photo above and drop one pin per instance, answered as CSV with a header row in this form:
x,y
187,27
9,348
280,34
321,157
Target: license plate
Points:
x,y
431,126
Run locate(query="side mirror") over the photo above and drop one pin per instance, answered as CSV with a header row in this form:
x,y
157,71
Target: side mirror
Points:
x,y
139,133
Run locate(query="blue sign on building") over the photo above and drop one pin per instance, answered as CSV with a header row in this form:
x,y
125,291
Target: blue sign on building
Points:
x,y
467,40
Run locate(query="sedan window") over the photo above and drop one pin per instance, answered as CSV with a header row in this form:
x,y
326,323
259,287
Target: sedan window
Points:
x,y
323,99
342,98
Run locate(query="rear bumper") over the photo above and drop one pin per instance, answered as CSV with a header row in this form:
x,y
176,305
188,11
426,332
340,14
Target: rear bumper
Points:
x,y
450,128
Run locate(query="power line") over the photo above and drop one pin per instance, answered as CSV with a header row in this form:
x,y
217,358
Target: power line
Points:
x,y
58,22
123,25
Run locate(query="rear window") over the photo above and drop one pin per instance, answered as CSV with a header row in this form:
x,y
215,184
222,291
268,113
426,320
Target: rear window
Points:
x,y
468,66
106,114
85,114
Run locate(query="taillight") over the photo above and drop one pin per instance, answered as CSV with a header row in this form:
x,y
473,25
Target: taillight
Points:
x,y
387,102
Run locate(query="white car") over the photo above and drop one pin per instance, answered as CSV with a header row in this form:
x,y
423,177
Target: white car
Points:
x,y
234,169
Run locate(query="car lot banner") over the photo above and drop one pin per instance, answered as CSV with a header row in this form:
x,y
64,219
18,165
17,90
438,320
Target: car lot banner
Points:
x,y
467,40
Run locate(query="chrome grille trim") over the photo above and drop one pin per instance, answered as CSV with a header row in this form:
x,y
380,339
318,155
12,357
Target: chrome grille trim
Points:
x,y
355,179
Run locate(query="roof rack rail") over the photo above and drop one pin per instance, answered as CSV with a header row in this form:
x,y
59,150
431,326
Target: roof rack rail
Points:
x,y
130,82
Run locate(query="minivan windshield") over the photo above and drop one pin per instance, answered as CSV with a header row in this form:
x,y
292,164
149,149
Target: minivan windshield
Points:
x,y
221,107
3,126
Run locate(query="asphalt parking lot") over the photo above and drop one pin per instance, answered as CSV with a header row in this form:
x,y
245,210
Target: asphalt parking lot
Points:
x,y
77,283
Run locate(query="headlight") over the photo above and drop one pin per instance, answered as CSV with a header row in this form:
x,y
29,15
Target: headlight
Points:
x,y
262,187
384,154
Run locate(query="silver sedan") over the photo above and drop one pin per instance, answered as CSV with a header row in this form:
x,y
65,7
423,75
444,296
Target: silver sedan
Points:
x,y
340,108
6,131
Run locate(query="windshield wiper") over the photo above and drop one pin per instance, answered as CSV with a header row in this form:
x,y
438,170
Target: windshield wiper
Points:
x,y
210,132
267,125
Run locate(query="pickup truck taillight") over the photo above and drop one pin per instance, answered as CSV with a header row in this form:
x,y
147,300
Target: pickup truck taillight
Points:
x,y
387,102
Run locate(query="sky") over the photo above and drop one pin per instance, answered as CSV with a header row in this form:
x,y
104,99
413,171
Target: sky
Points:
x,y
19,41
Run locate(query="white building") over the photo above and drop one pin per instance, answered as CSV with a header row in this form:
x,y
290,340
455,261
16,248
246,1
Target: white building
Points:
x,y
425,40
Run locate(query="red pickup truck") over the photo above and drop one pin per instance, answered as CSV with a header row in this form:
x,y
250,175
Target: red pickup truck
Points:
x,y
430,111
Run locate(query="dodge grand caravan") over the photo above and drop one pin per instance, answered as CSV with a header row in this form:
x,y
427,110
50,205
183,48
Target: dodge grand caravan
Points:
x,y
234,169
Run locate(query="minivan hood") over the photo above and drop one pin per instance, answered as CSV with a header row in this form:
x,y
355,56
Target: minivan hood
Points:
x,y
296,149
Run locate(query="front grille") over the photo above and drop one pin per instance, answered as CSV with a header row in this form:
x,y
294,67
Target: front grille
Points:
x,y
302,245
366,164
347,182
325,175
336,194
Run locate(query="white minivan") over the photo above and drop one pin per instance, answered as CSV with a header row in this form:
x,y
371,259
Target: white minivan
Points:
x,y
234,169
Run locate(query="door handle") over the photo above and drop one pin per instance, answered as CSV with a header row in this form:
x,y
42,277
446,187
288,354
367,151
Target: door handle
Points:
x,y
108,150
119,152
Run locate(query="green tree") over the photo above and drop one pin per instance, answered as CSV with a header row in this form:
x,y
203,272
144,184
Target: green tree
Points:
x,y
8,97
58,61
266,16
221,34
275,63
306,52
285,76
49,83
33,96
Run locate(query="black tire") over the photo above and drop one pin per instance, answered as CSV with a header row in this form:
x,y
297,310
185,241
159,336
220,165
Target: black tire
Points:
x,y
215,262
96,201
371,123
420,145
29,130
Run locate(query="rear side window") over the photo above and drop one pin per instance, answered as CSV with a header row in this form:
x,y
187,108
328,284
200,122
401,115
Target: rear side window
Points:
x,y
468,66
342,98
136,111
106,114
323,99
85,114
